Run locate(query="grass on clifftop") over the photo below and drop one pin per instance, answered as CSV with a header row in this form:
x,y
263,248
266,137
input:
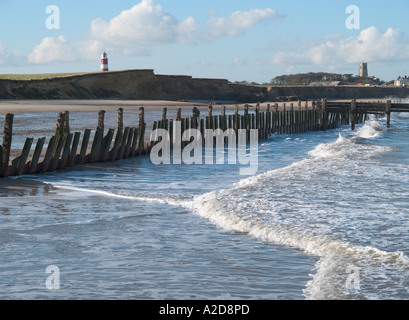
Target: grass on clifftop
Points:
x,y
37,76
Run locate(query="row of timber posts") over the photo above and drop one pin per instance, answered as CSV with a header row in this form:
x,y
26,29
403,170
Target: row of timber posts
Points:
x,y
66,149
289,119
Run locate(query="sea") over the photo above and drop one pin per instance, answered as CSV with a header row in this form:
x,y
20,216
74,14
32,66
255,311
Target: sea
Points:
x,y
325,217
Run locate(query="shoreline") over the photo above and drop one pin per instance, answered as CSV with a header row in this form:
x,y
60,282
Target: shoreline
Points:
x,y
33,106
38,106
21,185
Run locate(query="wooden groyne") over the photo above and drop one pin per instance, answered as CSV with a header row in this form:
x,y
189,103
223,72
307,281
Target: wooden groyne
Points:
x,y
67,149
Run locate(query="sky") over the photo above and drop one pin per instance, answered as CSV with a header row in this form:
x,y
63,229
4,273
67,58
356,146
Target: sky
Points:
x,y
239,40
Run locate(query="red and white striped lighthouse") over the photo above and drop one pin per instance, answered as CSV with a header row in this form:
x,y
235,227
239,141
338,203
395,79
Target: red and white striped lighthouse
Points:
x,y
104,62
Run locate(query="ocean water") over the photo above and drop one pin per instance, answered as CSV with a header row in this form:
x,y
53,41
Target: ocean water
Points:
x,y
325,217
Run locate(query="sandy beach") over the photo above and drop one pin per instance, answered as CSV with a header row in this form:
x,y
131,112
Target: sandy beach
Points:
x,y
31,106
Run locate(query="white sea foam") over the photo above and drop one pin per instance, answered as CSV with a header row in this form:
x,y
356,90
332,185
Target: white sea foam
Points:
x,y
329,280
85,191
372,129
304,206
286,207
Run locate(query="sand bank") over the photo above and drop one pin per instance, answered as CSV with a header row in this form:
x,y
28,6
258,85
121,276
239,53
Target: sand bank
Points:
x,y
30,106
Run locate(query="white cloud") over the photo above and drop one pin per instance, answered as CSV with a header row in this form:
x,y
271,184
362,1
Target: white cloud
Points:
x,y
145,23
133,31
13,58
60,50
371,45
2,53
239,21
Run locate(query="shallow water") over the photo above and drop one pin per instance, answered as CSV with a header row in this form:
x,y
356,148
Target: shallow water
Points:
x,y
325,217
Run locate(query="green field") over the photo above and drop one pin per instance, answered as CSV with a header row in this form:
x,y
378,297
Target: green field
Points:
x,y
37,76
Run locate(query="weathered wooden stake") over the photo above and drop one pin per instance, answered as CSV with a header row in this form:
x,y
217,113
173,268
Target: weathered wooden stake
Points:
x,y
7,138
120,123
24,156
47,158
353,114
236,124
324,115
388,113
101,115
164,113
56,156
36,155
66,151
59,131
73,154
66,126
195,118
141,129
84,146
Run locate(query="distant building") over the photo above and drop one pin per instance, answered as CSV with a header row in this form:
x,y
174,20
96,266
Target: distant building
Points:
x,y
325,84
363,70
400,82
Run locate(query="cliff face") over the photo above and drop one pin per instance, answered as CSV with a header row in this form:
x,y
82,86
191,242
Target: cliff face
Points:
x,y
144,84
132,84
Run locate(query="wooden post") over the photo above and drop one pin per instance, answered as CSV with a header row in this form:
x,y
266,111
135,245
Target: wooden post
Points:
x,y
164,113
141,129
223,124
24,156
123,143
236,124
257,116
117,144
202,127
47,158
101,115
120,124
97,144
353,114
84,146
134,145
388,113
73,154
324,115
66,151
106,144
128,144
36,155
56,156
292,118
59,131
209,117
246,117
66,126
7,138
195,118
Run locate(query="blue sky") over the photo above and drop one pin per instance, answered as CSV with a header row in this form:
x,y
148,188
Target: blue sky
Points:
x,y
236,40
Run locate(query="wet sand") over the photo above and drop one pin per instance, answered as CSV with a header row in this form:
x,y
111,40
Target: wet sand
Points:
x,y
20,187
30,106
